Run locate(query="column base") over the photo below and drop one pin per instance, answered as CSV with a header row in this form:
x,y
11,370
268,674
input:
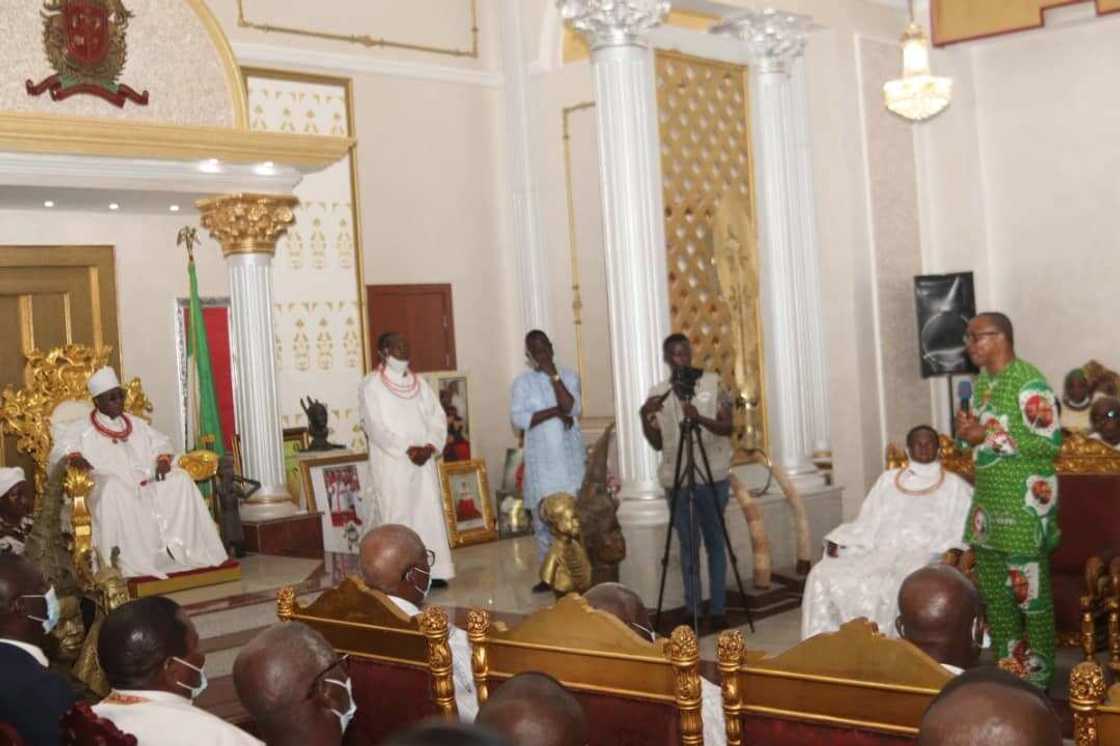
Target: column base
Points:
x,y
267,503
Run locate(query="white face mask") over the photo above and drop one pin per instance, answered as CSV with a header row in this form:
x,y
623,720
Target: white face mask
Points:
x,y
344,718
400,367
195,691
427,588
54,609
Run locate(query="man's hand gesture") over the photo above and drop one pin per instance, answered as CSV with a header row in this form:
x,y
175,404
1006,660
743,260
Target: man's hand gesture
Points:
x,y
163,466
419,455
969,428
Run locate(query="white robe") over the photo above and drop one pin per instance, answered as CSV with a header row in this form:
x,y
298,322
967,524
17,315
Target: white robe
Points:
x,y
894,535
402,491
166,719
146,519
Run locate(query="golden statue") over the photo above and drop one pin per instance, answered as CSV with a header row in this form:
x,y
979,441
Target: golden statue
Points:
x,y
108,589
566,567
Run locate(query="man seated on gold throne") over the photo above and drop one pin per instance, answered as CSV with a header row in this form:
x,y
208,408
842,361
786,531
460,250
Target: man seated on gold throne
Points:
x,y
142,504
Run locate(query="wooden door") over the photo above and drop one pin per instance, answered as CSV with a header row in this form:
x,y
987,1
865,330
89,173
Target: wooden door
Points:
x,y
422,313
51,296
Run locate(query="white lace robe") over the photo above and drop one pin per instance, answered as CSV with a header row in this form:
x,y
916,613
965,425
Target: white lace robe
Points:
x,y
894,535
403,492
160,527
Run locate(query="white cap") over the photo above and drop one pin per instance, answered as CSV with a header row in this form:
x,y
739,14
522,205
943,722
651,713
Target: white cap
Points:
x,y
9,478
103,380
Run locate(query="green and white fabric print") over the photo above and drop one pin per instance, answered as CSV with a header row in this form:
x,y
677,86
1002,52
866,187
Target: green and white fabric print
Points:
x,y
1014,507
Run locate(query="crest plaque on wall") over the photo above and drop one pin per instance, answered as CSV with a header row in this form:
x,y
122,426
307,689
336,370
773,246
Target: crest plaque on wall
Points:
x,y
85,44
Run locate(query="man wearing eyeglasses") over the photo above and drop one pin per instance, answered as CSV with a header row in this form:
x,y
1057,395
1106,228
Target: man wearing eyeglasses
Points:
x,y
395,561
295,687
1012,426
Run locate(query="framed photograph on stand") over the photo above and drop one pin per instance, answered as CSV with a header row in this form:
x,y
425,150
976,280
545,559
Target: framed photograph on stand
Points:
x,y
453,390
467,504
296,441
335,485
513,519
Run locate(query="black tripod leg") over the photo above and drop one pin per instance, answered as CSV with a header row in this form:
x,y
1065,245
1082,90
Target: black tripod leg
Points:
x,y
693,531
726,535
673,494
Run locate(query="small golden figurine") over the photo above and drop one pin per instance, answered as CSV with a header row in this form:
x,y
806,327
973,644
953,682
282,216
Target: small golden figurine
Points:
x,y
566,567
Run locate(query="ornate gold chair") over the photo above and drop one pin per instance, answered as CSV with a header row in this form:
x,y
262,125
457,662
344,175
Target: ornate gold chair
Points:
x,y
846,688
633,691
1088,483
400,666
54,392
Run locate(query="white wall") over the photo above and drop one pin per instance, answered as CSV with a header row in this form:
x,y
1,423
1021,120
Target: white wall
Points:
x,y
1048,117
151,274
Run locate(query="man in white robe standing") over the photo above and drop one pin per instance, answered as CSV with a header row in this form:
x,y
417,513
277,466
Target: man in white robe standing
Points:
x,y
910,518
407,429
140,503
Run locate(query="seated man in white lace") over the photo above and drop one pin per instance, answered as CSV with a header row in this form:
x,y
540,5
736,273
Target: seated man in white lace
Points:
x,y
908,520
152,511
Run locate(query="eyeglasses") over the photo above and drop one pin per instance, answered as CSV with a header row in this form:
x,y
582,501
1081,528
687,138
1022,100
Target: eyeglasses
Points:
x,y
430,556
969,337
342,662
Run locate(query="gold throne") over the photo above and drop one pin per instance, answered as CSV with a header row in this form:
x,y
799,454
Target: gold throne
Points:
x,y
54,392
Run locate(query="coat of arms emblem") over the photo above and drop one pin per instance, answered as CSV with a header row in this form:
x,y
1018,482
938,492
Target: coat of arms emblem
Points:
x,y
85,44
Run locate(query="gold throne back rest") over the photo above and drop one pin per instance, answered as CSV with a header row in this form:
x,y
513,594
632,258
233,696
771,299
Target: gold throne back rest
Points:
x,y
1079,454
49,379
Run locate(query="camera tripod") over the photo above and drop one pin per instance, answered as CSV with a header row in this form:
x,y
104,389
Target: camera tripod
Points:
x,y
684,477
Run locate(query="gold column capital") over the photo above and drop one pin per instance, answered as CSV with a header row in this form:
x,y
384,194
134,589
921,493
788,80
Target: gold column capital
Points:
x,y
247,223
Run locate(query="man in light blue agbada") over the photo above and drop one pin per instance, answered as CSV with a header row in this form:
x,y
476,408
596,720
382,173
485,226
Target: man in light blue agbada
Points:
x,y
545,404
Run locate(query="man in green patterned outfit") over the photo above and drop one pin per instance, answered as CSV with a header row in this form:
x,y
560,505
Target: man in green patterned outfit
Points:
x,y
1012,425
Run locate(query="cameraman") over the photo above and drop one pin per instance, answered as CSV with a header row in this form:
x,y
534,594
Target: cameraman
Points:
x,y
697,395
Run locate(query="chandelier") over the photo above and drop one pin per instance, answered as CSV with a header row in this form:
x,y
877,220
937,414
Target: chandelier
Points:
x,y
917,95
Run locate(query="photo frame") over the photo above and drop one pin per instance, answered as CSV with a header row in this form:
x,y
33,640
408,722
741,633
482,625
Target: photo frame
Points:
x,y
295,442
336,487
453,390
468,506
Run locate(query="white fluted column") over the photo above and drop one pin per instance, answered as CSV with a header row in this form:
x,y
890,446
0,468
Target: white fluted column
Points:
x,y
247,226
789,262
811,321
633,229
525,215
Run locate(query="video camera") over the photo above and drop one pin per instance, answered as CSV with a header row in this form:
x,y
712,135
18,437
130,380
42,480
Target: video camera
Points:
x,y
683,380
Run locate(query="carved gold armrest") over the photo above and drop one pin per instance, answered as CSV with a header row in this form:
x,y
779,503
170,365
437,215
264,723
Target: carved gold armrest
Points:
x,y
200,464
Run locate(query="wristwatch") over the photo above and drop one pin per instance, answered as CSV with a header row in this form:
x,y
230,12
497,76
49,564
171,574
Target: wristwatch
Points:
x,y
555,378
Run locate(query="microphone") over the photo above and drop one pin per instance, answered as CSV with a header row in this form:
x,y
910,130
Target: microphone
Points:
x,y
964,393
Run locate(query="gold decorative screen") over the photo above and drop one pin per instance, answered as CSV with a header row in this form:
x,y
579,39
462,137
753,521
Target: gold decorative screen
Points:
x,y
711,241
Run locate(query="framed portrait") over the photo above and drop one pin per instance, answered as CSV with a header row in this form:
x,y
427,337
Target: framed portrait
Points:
x,y
467,505
510,472
335,486
296,440
453,390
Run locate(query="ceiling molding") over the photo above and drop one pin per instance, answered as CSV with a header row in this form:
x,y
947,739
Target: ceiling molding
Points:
x,y
48,134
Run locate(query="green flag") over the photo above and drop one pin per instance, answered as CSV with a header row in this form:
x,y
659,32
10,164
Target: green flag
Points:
x,y
207,425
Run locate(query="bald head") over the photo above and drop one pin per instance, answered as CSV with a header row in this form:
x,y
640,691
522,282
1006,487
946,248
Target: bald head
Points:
x,y
989,707
619,601
386,554
938,609
19,577
274,673
533,709
439,732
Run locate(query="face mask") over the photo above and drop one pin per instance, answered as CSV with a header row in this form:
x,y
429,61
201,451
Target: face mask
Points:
x,y
54,609
344,718
195,691
427,588
400,367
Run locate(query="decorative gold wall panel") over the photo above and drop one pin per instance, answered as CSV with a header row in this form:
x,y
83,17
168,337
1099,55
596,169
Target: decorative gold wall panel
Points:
x,y
711,241
963,20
